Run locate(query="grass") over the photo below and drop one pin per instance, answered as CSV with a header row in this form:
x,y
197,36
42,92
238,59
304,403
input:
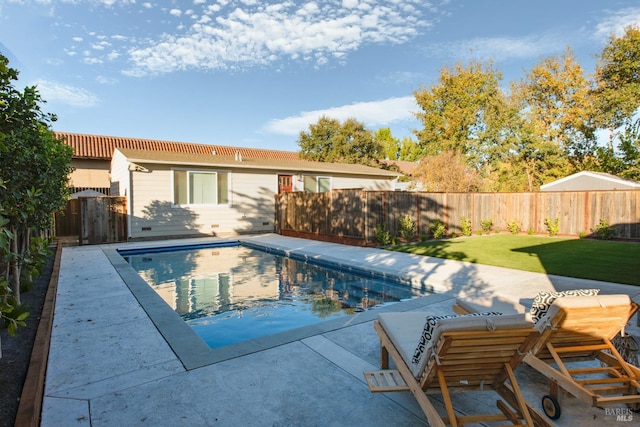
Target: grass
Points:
x,y
605,260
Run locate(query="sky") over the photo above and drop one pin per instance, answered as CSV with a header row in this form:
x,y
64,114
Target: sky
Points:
x,y
249,73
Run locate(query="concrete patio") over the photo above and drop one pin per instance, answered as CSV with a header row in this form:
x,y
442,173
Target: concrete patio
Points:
x,y
119,357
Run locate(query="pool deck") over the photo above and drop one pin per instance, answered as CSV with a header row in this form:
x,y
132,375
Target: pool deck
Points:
x,y
114,363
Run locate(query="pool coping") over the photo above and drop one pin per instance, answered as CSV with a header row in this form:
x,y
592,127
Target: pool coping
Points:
x,y
193,352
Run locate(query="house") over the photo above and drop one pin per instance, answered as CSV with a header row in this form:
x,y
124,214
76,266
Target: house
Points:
x,y
92,156
590,181
408,169
172,194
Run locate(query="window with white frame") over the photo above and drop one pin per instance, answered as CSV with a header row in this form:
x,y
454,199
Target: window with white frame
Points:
x,y
317,184
200,187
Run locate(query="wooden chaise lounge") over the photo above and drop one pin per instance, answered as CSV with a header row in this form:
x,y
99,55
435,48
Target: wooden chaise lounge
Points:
x,y
466,353
575,350
579,329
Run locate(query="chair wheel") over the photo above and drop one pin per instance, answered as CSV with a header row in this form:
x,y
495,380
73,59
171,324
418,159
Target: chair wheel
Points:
x,y
551,407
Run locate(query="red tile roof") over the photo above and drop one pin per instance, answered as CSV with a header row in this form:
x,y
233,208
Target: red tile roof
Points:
x,y
101,147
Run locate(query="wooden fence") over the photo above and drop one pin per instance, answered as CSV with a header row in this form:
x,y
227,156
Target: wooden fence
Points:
x,y
94,220
354,214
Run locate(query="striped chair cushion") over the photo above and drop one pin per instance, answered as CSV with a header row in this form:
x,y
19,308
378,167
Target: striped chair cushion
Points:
x,y
544,299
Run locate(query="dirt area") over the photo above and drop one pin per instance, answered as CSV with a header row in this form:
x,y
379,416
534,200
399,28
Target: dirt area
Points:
x,y
16,350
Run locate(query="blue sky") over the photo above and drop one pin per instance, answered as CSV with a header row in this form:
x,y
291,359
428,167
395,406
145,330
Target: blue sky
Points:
x,y
254,74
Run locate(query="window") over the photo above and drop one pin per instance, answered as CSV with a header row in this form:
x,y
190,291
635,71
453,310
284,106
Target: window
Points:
x,y
200,188
324,184
317,184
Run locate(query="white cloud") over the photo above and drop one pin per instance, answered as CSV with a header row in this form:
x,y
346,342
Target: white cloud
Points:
x,y
65,94
175,12
106,80
372,114
501,48
349,4
91,61
616,22
258,34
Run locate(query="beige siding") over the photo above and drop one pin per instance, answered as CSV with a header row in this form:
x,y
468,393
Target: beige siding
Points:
x,y
366,183
89,173
119,175
251,209
349,182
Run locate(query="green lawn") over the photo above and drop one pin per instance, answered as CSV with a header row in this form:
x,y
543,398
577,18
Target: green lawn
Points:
x,y
609,261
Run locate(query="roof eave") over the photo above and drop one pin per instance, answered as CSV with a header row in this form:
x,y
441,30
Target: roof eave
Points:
x,y
240,165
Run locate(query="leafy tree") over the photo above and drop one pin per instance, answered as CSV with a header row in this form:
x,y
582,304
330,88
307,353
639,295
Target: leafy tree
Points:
x,y
328,140
630,148
529,162
617,91
464,112
410,150
35,168
447,171
555,100
390,145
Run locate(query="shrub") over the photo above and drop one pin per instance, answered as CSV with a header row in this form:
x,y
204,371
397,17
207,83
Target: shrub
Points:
x,y
382,235
583,235
553,227
604,231
407,227
438,229
486,225
465,226
530,232
513,226
454,235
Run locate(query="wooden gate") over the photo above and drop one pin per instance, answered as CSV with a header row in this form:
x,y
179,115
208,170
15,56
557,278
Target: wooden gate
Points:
x,y
94,220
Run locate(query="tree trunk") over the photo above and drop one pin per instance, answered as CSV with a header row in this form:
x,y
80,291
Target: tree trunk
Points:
x,y
19,244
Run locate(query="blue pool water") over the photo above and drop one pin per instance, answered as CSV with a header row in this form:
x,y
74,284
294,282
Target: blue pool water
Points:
x,y
231,293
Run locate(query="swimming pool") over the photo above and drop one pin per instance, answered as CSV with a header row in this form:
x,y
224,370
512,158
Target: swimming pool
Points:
x,y
230,293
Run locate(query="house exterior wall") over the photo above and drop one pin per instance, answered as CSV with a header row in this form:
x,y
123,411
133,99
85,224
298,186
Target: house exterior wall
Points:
x,y
343,182
89,173
120,178
251,208
366,183
587,182
153,214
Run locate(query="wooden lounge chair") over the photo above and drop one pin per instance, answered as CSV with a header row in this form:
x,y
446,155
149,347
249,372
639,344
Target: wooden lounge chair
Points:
x,y
466,353
578,330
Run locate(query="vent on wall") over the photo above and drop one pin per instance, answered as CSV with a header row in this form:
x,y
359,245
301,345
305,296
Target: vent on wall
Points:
x,y
146,228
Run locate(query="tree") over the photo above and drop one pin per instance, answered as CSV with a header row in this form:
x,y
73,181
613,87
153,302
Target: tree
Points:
x,y
447,171
35,168
328,140
464,112
410,150
532,161
617,91
390,145
630,148
555,101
